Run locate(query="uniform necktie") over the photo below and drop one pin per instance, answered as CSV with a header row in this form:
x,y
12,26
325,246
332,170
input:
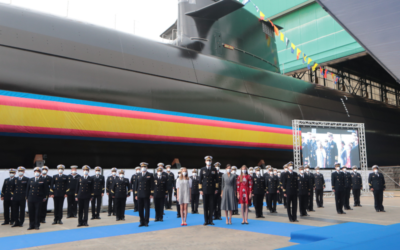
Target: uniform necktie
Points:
x,y
35,179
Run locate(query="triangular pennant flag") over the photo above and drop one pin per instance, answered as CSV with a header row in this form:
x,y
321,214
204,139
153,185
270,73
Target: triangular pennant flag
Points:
x,y
293,48
276,31
304,58
326,74
308,63
333,75
262,16
315,66
298,53
287,42
321,70
337,79
271,23
282,37
257,8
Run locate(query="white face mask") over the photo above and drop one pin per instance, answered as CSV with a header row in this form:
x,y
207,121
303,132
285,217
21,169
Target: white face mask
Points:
x,y
85,172
168,170
73,172
233,172
184,173
37,174
275,173
208,163
290,168
317,171
20,173
344,170
179,175
270,173
307,170
285,169
137,171
375,171
244,171
114,173
257,172
228,170
251,171
121,176
60,171
301,171
337,169
97,172
217,168
143,169
279,175
355,170
159,173
194,174
44,172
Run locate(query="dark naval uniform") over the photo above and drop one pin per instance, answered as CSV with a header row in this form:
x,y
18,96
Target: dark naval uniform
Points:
x,y
98,190
58,188
337,180
356,182
195,194
111,202
143,190
208,185
290,186
133,184
160,191
272,184
170,188
266,175
347,190
304,189
283,199
36,192
331,154
6,194
72,203
19,200
319,189
310,197
120,190
217,198
47,179
377,182
84,192
259,189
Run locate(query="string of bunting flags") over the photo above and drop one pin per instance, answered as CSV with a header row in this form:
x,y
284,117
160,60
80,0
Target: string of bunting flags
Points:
x,y
295,50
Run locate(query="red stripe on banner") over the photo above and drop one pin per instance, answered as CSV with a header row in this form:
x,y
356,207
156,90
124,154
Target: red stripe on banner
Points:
x,y
114,135
69,107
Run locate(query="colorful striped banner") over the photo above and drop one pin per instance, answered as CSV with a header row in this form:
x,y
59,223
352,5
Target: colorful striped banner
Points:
x,y
54,116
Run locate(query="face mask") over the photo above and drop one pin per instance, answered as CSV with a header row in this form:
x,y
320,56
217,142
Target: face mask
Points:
x,y
279,175
337,169
168,169
159,173
307,170
344,170
85,172
97,172
179,175
275,173
44,172
257,172
355,170
20,173
37,174
244,171
137,171
285,169
60,171
73,172
217,168
194,174
233,172
375,171
184,173
301,171
121,175
12,175
250,172
290,168
228,170
208,163
143,169
317,171
114,173
270,173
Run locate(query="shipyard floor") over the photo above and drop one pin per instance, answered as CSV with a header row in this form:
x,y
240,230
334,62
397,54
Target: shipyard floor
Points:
x,y
361,227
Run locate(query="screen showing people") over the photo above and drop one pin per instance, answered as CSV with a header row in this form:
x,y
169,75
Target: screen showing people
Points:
x,y
324,147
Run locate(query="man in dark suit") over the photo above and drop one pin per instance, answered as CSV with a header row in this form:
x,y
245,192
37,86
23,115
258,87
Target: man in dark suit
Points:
x,y
133,185
356,181
266,175
109,182
289,187
208,187
58,191
347,188
331,151
144,191
19,197
98,190
259,190
376,183
338,186
285,171
48,180
195,191
217,197
319,187
272,185
311,185
170,187
37,192
120,191
84,194
72,209
6,194
303,191
160,193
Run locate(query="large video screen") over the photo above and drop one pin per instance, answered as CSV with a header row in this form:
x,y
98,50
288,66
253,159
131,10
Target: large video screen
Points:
x,y
323,147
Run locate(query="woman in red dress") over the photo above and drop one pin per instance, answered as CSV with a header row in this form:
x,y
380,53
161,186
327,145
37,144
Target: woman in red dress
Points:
x,y
244,185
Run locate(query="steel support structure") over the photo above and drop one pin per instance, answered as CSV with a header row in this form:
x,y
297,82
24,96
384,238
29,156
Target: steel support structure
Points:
x,y
297,124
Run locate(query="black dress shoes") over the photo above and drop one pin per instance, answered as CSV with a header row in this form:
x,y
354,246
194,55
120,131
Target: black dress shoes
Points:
x,y
60,222
31,228
109,214
80,224
146,225
98,217
43,221
212,223
205,224
15,225
156,220
36,228
141,225
93,218
54,222
5,223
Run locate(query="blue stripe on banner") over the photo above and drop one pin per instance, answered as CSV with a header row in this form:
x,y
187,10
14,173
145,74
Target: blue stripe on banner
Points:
x,y
124,107
133,141
170,222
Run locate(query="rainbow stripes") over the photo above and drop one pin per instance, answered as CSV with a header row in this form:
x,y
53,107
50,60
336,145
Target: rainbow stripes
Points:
x,y
30,114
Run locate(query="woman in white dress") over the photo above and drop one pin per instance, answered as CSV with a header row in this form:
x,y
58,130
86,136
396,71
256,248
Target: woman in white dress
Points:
x,y
184,192
321,155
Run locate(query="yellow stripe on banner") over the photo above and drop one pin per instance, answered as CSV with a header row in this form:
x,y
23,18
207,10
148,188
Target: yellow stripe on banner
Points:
x,y
22,116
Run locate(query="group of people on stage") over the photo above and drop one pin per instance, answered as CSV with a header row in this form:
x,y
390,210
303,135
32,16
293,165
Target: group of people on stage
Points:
x,y
326,152
219,191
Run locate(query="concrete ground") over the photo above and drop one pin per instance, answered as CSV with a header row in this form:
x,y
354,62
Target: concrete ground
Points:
x,y
206,237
